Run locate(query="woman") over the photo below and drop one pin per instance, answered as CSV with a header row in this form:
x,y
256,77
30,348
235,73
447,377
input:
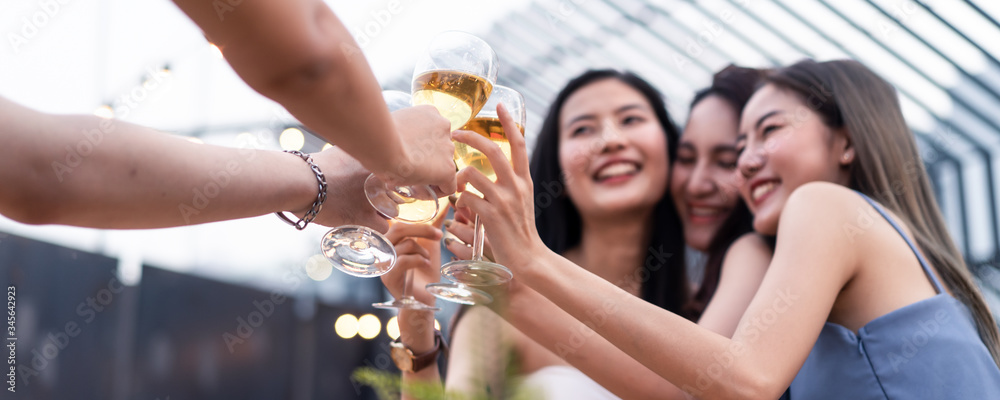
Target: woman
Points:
x,y
545,325
832,170
704,185
602,160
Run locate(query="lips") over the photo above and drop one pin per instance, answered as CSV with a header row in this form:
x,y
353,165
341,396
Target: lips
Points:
x,y
704,213
760,189
617,170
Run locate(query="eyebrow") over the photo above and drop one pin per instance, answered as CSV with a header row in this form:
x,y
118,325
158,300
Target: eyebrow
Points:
x,y
743,136
591,116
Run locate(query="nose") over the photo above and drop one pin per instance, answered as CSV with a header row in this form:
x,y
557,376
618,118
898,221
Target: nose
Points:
x,y
613,138
750,162
700,184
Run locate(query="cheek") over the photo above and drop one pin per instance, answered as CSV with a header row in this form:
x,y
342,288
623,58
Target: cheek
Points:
x,y
679,176
573,158
729,184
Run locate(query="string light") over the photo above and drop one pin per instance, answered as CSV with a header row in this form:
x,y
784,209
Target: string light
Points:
x,y
369,326
193,139
392,328
318,267
292,139
327,146
346,326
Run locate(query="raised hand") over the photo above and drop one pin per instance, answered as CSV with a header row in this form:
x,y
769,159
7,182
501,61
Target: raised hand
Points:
x,y
428,150
507,206
417,248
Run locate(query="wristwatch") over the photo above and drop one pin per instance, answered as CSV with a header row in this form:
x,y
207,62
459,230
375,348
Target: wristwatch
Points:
x,y
406,361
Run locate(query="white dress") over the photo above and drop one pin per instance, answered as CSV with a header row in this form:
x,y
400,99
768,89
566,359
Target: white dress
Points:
x,y
560,382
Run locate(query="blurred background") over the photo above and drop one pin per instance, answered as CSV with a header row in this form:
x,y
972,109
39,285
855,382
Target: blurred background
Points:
x,y
248,308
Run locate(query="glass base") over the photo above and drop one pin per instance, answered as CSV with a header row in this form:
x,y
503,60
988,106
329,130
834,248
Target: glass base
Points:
x,y
358,251
408,302
412,204
476,273
459,293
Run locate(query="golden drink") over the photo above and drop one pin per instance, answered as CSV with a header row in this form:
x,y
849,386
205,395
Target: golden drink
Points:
x,y
468,156
457,95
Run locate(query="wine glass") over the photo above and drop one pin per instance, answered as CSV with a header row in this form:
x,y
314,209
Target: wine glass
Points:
x,y
478,271
362,251
456,75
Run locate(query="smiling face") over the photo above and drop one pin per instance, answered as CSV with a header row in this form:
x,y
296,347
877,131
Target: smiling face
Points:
x,y
784,144
704,182
612,150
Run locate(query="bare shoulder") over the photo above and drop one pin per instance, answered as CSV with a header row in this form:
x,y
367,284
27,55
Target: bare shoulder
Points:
x,y
749,255
822,203
750,244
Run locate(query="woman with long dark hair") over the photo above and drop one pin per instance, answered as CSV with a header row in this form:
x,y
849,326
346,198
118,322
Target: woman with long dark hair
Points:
x,y
850,306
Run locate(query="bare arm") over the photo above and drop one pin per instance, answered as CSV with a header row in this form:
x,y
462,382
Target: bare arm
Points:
x,y
574,341
773,338
299,54
743,269
93,172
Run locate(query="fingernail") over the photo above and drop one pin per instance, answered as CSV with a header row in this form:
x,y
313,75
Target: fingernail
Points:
x,y
448,223
453,258
450,241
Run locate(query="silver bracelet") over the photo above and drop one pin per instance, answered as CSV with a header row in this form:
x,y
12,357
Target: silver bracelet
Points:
x,y
317,205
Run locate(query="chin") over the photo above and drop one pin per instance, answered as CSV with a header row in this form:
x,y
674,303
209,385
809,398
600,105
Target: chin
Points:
x,y
765,224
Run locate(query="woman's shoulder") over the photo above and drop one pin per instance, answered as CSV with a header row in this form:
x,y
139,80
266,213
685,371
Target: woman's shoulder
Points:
x,y
825,203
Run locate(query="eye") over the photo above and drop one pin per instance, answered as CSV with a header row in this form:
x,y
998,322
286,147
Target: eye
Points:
x,y
768,129
579,130
682,160
726,164
632,119
739,147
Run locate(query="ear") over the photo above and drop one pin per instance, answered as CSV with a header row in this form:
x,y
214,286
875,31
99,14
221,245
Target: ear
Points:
x,y
844,146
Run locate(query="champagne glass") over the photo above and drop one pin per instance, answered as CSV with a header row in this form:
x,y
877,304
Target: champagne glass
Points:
x,y
456,75
362,251
478,271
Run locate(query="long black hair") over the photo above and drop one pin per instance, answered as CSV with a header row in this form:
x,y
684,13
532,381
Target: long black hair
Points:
x,y
734,85
558,221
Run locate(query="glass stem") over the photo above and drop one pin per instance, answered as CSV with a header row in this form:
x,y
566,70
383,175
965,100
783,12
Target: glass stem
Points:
x,y
477,241
407,281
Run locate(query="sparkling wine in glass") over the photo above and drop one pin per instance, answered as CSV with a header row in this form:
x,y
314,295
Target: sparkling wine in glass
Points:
x,y
479,271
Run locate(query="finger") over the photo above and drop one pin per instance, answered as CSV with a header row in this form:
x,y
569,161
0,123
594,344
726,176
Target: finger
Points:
x,y
499,161
461,250
401,230
475,178
518,146
412,261
476,204
410,246
445,187
462,231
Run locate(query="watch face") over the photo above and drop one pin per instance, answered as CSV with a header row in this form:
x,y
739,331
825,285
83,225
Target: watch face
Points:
x,y
404,361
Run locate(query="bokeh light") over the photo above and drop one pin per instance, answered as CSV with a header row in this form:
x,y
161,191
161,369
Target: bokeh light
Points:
x,y
392,328
369,326
291,139
105,112
346,326
318,267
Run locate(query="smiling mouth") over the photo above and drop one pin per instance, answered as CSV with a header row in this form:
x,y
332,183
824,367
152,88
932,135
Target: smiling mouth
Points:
x,y
761,191
617,170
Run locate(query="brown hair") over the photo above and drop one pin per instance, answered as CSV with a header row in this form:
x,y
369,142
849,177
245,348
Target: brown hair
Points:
x,y
887,166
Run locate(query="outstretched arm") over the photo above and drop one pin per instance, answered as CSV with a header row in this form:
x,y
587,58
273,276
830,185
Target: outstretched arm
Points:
x,y
102,173
299,54
774,336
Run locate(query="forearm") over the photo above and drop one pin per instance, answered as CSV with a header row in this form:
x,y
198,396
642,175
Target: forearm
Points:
x,y
672,347
416,331
299,54
87,171
579,345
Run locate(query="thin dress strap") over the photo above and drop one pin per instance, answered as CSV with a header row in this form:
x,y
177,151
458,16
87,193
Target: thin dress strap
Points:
x,y
923,262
